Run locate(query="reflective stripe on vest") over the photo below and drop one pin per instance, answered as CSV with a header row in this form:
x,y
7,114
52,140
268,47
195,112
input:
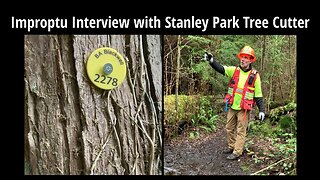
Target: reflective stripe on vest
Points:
x,y
247,91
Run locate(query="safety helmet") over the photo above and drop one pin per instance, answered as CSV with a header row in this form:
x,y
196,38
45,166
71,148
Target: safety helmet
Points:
x,y
249,51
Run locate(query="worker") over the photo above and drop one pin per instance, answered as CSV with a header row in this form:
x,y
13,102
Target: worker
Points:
x,y
243,92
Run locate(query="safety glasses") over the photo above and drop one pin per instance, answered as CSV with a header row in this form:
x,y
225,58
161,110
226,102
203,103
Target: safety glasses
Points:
x,y
245,58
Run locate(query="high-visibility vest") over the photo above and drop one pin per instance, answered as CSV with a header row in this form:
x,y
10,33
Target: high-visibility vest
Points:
x,y
247,91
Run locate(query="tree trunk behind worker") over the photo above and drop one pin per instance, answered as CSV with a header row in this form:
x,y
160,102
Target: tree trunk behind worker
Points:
x,y
72,126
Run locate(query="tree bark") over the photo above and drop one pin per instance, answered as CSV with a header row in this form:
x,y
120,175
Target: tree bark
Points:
x,y
177,76
263,53
72,126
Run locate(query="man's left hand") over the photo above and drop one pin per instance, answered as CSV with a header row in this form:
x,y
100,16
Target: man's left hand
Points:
x,y
208,56
261,116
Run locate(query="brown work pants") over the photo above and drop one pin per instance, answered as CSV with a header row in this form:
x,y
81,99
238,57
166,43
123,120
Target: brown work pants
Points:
x,y
236,129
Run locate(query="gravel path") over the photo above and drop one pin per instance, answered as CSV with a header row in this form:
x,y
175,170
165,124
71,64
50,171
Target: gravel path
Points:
x,y
201,156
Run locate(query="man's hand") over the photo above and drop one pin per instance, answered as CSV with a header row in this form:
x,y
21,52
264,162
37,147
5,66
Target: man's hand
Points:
x,y
261,116
208,57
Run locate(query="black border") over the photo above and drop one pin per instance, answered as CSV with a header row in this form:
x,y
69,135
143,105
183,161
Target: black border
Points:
x,y
307,80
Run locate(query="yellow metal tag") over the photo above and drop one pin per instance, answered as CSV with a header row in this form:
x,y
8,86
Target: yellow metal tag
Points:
x,y
106,68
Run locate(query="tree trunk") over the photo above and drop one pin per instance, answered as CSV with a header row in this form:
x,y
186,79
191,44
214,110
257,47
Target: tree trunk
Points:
x,y
270,95
177,75
72,126
263,53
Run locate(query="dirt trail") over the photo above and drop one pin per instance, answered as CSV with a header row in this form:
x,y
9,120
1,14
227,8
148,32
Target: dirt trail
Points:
x,y
201,156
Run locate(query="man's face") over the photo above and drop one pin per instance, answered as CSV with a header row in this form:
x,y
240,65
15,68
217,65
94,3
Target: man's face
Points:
x,y
245,61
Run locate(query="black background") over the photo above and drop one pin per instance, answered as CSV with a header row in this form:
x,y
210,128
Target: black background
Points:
x,y
308,56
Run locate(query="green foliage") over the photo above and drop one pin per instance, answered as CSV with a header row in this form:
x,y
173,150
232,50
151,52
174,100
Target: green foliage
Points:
x,y
227,54
206,117
203,69
275,54
172,118
268,129
280,63
217,81
261,129
291,106
287,149
279,111
285,116
198,41
283,141
198,66
194,134
285,122
207,129
184,102
231,45
196,111
286,144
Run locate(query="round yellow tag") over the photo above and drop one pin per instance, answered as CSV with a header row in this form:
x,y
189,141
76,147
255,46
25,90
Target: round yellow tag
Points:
x,y
106,68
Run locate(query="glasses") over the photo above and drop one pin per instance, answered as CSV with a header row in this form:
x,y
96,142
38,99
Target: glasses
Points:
x,y
245,58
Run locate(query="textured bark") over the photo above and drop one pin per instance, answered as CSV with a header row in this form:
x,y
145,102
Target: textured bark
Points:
x,y
73,127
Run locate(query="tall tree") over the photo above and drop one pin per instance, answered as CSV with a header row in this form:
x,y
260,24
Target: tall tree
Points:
x,y
72,126
263,53
177,73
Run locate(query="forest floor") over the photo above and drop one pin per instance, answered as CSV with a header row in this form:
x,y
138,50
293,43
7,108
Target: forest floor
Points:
x,y
203,155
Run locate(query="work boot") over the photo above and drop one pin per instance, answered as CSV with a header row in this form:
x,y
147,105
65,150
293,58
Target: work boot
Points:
x,y
233,156
227,151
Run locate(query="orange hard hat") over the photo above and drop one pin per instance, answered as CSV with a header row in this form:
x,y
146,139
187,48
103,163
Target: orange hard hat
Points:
x,y
249,51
